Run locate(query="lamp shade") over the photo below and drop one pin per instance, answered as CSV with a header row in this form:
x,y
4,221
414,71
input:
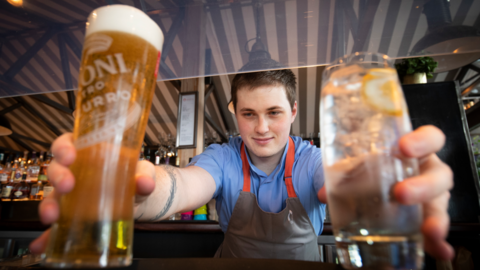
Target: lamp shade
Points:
x,y
5,128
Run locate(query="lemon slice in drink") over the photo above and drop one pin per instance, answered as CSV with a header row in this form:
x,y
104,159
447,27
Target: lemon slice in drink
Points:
x,y
381,91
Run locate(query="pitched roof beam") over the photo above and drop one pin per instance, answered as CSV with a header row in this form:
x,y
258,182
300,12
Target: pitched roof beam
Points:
x,y
15,87
65,63
31,52
209,91
475,68
67,75
21,143
222,109
34,112
10,150
350,15
21,13
462,73
76,48
471,79
471,87
147,140
215,127
176,84
19,136
365,23
71,100
167,45
52,103
10,108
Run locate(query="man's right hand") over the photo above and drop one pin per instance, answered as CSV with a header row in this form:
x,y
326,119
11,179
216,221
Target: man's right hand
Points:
x,y
63,180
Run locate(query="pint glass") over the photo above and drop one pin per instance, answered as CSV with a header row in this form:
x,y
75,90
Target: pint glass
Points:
x,y
363,115
117,77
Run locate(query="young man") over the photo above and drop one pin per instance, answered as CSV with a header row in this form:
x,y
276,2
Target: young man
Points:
x,y
264,178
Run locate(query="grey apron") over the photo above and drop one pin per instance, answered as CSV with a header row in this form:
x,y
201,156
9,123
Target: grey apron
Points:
x,y
254,233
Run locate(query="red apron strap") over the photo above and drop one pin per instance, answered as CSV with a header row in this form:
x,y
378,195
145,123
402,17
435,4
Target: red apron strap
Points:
x,y
246,169
289,168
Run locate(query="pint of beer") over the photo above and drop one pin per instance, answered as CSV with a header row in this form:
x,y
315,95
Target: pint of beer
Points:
x,y
117,77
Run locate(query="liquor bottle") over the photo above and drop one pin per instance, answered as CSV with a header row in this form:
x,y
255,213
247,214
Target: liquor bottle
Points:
x,y
23,162
16,174
36,192
157,157
21,191
6,171
7,190
47,189
42,177
3,183
310,138
2,164
34,168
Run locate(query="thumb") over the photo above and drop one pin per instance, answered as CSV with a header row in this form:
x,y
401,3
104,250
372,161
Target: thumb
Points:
x,y
144,180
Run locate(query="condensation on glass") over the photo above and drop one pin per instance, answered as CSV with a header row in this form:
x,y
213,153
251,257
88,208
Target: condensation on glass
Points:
x,y
41,41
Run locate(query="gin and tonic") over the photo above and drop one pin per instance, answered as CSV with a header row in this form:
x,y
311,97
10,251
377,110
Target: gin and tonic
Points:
x,y
363,115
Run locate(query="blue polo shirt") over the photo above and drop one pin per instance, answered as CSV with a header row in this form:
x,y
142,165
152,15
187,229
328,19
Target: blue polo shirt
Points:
x,y
224,163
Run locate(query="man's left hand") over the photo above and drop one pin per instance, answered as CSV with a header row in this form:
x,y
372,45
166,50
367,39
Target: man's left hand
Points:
x,y
430,188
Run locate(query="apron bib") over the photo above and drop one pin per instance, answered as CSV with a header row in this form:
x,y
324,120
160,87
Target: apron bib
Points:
x,y
254,233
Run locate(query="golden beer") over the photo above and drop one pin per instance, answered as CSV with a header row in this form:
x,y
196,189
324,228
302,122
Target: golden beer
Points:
x,y
116,87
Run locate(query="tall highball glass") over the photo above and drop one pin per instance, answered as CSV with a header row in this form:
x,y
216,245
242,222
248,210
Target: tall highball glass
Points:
x,y
120,59
363,115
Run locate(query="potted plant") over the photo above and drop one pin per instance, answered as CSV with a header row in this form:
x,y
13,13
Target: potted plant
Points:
x,y
416,70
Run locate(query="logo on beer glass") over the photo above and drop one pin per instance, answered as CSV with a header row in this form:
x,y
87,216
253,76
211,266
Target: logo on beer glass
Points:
x,y
92,81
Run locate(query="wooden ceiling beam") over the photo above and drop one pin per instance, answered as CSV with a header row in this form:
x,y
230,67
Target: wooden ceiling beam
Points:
x,y
21,143
215,127
30,53
10,108
35,113
19,136
52,103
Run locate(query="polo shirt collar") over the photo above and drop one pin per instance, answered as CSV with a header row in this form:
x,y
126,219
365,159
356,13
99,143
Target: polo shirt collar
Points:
x,y
279,168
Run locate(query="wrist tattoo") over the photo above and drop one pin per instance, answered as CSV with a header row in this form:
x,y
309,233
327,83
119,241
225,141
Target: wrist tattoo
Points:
x,y
173,189
141,215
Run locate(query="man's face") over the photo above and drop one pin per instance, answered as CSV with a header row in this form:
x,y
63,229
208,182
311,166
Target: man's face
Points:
x,y
264,117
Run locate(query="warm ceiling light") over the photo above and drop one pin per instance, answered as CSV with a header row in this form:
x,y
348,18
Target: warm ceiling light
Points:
x,y
17,3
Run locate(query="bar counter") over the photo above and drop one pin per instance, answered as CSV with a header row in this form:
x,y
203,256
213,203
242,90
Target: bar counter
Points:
x,y
193,226
212,264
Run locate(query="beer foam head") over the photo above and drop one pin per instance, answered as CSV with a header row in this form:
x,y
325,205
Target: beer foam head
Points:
x,y
126,19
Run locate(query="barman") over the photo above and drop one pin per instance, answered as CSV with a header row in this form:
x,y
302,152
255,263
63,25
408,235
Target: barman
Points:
x,y
263,178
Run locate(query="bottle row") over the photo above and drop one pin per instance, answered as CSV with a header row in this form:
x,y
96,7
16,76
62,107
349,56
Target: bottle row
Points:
x,y
163,155
24,178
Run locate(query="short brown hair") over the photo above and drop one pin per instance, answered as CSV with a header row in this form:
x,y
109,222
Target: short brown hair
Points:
x,y
283,77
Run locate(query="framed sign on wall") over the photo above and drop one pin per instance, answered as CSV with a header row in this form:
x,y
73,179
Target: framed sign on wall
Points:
x,y
187,120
